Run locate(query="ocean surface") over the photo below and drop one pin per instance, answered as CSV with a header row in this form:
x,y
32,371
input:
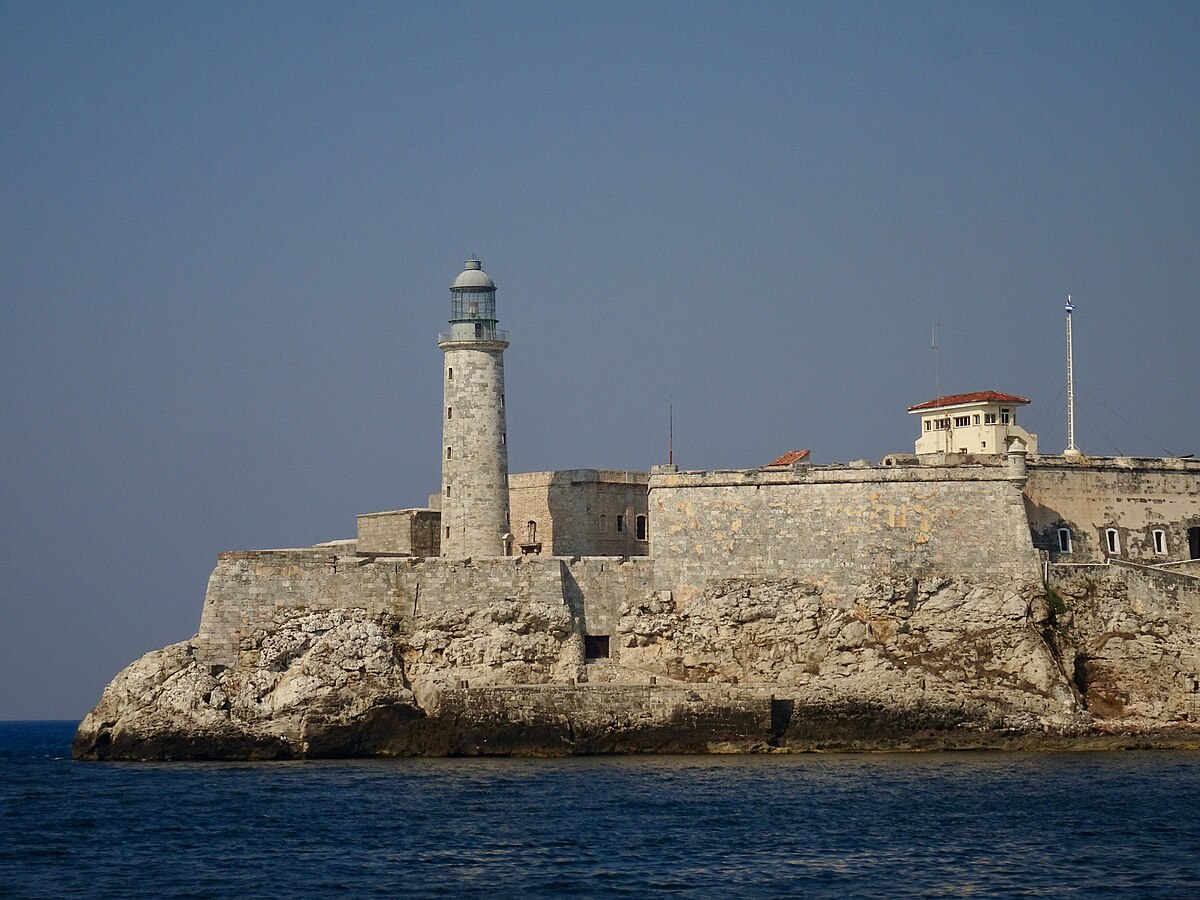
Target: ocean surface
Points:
x,y
975,824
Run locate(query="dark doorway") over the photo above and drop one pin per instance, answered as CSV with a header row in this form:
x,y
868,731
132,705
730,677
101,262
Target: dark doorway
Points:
x,y
1194,542
640,524
595,646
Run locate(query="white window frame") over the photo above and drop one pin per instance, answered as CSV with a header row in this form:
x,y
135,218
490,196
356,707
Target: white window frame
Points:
x,y
1160,542
1064,546
1112,541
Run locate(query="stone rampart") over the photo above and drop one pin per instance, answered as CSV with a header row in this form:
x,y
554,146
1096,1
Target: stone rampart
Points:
x,y
597,586
248,590
1135,496
839,526
400,532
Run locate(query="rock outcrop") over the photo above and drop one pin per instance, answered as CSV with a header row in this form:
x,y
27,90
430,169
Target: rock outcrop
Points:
x,y
317,685
751,664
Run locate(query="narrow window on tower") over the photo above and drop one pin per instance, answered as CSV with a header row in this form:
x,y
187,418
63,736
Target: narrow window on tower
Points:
x,y
501,401
450,373
449,412
640,527
620,523
449,453
447,490
447,532
504,438
1160,543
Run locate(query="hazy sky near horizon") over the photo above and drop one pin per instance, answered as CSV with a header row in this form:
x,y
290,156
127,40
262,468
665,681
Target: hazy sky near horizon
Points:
x,y
227,232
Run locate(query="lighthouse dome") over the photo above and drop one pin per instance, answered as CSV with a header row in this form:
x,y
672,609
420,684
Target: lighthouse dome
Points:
x,y
473,278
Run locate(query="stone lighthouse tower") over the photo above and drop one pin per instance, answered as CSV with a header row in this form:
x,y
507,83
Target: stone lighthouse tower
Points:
x,y
474,438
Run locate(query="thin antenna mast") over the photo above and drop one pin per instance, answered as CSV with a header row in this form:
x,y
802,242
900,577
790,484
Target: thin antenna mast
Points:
x,y
937,379
1071,450
937,363
670,434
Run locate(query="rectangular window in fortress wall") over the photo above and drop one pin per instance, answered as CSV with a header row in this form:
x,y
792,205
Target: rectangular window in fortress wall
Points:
x,y
1064,540
595,646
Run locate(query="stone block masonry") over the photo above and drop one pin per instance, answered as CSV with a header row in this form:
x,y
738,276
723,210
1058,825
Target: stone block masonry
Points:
x,y
1134,497
841,527
474,453
249,590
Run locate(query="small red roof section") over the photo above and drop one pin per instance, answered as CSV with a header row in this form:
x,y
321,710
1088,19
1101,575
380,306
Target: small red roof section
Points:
x,y
790,458
977,397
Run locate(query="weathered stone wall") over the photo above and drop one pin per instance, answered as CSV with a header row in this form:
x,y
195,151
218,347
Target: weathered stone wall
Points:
x,y
247,590
575,512
1135,496
474,452
401,532
841,527
597,587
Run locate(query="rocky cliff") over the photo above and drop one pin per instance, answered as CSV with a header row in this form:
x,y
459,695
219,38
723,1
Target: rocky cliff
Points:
x,y
749,664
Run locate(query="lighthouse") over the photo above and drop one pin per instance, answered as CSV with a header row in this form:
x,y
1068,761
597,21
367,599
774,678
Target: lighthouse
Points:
x,y
474,437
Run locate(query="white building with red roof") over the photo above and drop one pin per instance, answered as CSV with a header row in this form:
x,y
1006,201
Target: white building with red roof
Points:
x,y
983,422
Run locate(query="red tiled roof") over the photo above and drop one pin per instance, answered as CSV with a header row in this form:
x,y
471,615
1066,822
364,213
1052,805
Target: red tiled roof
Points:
x,y
792,456
977,397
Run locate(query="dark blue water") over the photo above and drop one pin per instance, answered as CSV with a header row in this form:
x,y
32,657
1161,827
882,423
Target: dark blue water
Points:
x,y
931,825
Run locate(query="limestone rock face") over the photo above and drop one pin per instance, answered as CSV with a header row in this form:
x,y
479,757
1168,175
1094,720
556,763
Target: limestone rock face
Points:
x,y
748,664
501,643
934,641
1135,655
312,687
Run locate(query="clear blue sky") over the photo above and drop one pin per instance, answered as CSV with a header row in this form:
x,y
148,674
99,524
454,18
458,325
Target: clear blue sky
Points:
x,y
227,232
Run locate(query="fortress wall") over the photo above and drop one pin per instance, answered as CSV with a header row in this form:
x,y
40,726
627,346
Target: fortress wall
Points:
x,y
597,586
839,526
408,532
248,590
1135,496
567,506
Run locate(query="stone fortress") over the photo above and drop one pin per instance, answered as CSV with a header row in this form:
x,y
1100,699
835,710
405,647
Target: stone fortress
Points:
x,y
971,593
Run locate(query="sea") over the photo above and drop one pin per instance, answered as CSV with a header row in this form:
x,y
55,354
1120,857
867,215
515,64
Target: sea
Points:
x,y
971,824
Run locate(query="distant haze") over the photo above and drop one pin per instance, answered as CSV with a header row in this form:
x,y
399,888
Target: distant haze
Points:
x,y
228,230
